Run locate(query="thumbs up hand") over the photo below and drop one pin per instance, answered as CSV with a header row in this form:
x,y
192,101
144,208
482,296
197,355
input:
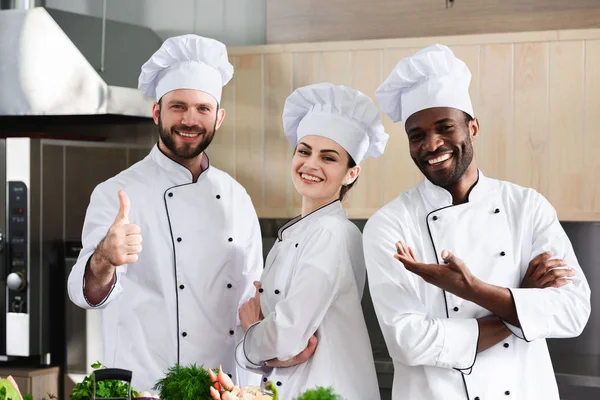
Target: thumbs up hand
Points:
x,y
123,242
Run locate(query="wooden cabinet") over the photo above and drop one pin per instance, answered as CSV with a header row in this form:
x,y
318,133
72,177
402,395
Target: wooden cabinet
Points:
x,y
39,382
536,94
291,21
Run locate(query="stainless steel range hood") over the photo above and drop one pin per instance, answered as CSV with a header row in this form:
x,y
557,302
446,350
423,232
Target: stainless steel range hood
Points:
x,y
56,63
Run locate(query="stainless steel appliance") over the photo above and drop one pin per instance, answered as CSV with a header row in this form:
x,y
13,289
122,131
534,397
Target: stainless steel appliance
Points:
x,y
26,308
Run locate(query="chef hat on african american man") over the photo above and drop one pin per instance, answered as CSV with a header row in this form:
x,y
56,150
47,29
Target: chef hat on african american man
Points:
x,y
432,77
342,114
186,62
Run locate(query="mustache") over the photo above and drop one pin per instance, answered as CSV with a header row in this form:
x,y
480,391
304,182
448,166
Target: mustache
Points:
x,y
188,129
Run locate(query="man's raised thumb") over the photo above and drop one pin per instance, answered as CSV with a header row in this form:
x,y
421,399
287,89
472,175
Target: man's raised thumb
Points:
x,y
124,206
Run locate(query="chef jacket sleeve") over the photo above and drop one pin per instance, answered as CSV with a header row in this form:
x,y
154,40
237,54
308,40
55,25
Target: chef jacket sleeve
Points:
x,y
551,312
412,336
314,286
99,217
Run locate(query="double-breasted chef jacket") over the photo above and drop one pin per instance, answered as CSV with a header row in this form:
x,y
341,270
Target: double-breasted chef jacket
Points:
x,y
310,287
202,251
432,335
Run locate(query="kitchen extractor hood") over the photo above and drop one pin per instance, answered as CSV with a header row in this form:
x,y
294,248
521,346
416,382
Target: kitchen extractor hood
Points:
x,y
56,63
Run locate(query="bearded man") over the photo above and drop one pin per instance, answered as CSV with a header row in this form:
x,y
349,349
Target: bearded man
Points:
x,y
176,301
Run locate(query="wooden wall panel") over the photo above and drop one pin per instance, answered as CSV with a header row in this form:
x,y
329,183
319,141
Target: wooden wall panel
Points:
x,y
566,125
278,85
292,21
249,126
367,193
531,108
591,145
495,111
536,96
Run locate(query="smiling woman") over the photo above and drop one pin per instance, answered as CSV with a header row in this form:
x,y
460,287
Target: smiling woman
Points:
x,y
315,273
321,170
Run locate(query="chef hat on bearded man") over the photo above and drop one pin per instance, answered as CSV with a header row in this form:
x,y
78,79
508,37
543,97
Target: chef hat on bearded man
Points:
x,y
186,62
432,77
342,114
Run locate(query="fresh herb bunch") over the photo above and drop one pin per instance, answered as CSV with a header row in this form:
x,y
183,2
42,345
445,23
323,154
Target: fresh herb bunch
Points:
x,y
319,393
185,383
84,390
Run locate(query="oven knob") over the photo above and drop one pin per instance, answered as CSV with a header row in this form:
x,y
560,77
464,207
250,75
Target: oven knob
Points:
x,y
16,281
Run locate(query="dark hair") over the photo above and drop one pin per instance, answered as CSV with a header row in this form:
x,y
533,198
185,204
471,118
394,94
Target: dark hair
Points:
x,y
468,118
346,188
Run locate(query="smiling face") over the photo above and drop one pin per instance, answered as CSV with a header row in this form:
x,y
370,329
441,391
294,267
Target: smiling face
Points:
x,y
187,121
320,168
441,144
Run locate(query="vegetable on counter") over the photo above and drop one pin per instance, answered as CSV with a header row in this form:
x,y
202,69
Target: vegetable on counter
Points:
x,y
185,383
319,393
9,390
84,390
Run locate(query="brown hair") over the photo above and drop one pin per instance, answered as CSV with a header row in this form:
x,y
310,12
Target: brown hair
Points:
x,y
346,188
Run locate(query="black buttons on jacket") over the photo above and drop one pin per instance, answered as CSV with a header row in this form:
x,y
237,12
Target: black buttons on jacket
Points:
x,y
502,253
497,211
170,194
229,375
279,383
507,393
231,332
265,380
230,239
229,286
506,345
296,245
218,196
435,218
477,398
277,291
455,308
179,239
261,290
181,286
184,334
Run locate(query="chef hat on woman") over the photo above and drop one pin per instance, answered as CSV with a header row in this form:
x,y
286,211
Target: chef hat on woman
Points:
x,y
432,77
186,62
342,114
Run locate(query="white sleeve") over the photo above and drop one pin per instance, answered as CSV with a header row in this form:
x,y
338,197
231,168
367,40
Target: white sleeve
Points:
x,y
285,332
411,335
551,312
99,217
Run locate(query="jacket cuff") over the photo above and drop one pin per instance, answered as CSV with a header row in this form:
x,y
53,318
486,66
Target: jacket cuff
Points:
x,y
459,351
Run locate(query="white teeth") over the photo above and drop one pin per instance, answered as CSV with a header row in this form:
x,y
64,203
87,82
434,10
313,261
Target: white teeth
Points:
x,y
439,159
188,134
311,178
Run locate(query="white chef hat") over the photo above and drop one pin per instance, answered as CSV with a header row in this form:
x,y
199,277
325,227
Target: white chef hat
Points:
x,y
186,62
342,114
432,77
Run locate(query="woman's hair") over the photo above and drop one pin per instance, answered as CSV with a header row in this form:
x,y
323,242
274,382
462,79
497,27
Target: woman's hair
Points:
x,y
346,188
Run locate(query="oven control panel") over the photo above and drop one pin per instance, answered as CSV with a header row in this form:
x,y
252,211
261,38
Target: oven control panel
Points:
x,y
17,262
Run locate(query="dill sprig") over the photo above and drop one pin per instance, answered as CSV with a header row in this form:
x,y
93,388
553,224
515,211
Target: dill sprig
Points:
x,y
319,393
184,383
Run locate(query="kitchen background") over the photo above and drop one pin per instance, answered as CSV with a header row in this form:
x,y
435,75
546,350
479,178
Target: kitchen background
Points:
x,y
70,117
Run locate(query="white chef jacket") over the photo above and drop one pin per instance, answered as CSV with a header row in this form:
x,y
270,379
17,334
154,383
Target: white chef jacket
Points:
x,y
432,335
202,251
309,287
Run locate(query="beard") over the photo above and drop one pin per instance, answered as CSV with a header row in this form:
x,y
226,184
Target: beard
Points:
x,y
462,156
185,151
